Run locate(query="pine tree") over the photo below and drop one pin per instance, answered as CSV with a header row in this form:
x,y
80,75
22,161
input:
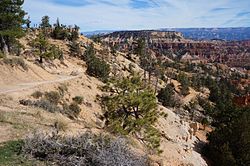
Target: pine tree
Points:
x,y
42,45
75,49
131,109
158,72
45,22
45,25
98,68
229,143
59,31
183,79
165,96
57,23
140,50
89,53
46,50
146,60
11,21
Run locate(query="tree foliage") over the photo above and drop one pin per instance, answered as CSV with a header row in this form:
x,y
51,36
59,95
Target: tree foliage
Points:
x,y
44,49
131,109
229,142
183,79
62,32
96,67
11,21
90,52
45,25
165,96
59,31
45,22
41,44
146,61
74,48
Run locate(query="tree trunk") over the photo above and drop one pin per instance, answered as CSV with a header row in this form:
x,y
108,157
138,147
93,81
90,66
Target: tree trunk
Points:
x,y
149,77
145,77
7,41
156,84
41,59
4,46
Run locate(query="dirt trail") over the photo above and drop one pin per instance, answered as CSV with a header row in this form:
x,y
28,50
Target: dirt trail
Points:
x,y
30,85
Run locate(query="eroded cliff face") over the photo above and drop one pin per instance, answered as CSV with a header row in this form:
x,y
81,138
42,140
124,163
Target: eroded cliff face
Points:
x,y
234,54
150,35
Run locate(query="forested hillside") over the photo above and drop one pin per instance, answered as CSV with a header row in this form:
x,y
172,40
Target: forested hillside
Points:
x,y
117,99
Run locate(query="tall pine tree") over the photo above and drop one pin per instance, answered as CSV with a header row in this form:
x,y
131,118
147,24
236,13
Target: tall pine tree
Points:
x,y
11,21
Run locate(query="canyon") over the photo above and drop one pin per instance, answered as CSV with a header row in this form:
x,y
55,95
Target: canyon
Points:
x,y
168,43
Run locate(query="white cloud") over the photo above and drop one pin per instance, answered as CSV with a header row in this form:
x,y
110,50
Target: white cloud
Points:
x,y
111,14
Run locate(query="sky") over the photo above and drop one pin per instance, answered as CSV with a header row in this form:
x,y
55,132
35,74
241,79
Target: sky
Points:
x,y
93,15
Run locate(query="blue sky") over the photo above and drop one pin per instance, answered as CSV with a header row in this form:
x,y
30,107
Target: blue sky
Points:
x,y
142,14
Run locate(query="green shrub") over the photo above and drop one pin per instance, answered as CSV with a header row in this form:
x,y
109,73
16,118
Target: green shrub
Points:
x,y
53,97
74,110
90,52
75,49
26,102
59,33
9,151
63,88
37,94
166,96
11,155
47,105
205,122
55,53
152,138
43,103
95,67
98,68
206,105
61,124
184,80
78,99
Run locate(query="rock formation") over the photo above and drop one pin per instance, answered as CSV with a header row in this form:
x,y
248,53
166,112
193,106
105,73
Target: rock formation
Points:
x,y
234,54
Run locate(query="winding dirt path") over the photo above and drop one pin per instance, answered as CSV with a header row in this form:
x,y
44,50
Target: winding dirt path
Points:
x,y
30,85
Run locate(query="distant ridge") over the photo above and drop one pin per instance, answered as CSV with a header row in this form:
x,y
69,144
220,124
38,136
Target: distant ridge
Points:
x,y
227,34
97,32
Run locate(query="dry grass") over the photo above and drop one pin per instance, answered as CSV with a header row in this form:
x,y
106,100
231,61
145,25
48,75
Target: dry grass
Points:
x,y
85,149
16,62
61,124
6,118
38,114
